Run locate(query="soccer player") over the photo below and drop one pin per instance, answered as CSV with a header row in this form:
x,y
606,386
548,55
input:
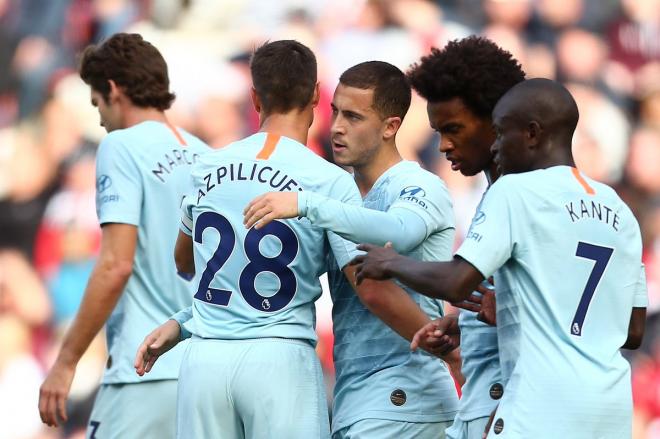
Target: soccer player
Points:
x,y
251,369
462,83
382,388
142,169
567,252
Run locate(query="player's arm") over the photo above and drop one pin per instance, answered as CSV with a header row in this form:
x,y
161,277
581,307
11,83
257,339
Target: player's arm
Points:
x,y
104,288
636,329
161,340
404,228
183,249
452,281
183,254
638,315
390,303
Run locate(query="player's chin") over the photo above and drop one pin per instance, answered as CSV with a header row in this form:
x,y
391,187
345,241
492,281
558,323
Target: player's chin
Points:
x,y
468,172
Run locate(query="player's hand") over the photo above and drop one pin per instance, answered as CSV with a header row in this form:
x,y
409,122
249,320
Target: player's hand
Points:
x,y
54,392
161,340
270,206
438,337
375,263
484,305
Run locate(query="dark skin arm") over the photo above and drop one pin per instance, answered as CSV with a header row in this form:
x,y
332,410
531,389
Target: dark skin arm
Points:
x,y
636,329
452,281
183,254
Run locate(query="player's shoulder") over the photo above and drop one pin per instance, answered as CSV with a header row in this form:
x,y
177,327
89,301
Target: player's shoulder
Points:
x,y
194,142
410,173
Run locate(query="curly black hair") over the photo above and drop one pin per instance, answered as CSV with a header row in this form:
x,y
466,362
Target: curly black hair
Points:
x,y
133,64
474,69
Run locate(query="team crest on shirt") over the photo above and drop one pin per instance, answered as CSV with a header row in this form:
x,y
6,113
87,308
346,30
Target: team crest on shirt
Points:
x,y
414,194
265,304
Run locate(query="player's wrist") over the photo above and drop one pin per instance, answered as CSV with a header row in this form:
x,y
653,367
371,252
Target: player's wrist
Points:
x,y
392,265
67,359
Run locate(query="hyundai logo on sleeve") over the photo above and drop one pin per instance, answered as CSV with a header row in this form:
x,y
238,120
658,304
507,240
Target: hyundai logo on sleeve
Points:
x,y
413,191
103,183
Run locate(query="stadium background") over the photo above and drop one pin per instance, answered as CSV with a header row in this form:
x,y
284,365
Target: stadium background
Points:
x,y
606,51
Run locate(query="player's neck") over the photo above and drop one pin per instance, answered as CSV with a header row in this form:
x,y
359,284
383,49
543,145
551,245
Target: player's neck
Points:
x,y
366,175
491,173
294,125
556,154
134,115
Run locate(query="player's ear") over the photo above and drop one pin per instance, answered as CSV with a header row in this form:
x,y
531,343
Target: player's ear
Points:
x,y
534,132
316,97
392,125
115,91
256,102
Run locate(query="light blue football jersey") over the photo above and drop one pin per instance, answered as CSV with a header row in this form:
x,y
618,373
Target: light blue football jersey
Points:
x,y
570,256
260,283
141,177
481,366
377,376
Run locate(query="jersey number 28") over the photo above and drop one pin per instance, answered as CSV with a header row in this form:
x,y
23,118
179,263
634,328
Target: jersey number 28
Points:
x,y
258,263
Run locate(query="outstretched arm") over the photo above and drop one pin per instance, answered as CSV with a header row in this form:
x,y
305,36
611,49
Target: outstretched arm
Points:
x,y
452,281
104,288
402,227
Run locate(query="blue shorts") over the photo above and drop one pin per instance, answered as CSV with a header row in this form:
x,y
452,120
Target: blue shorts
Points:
x,y
135,410
472,429
382,428
258,388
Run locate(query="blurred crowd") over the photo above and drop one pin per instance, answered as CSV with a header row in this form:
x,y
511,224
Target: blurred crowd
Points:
x,y
607,52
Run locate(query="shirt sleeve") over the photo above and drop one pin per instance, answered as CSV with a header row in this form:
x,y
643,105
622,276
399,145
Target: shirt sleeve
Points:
x,y
347,192
641,298
489,242
404,228
183,318
118,184
186,225
427,197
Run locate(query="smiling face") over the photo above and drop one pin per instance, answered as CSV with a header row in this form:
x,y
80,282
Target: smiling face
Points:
x,y
357,129
108,112
464,137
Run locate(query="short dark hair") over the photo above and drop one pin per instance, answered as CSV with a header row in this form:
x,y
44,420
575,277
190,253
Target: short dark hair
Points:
x,y
390,85
134,64
474,69
283,75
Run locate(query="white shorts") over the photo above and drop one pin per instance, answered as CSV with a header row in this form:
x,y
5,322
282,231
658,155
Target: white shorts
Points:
x,y
259,388
136,410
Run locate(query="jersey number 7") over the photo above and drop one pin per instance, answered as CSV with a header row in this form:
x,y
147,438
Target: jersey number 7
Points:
x,y
258,263
601,256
